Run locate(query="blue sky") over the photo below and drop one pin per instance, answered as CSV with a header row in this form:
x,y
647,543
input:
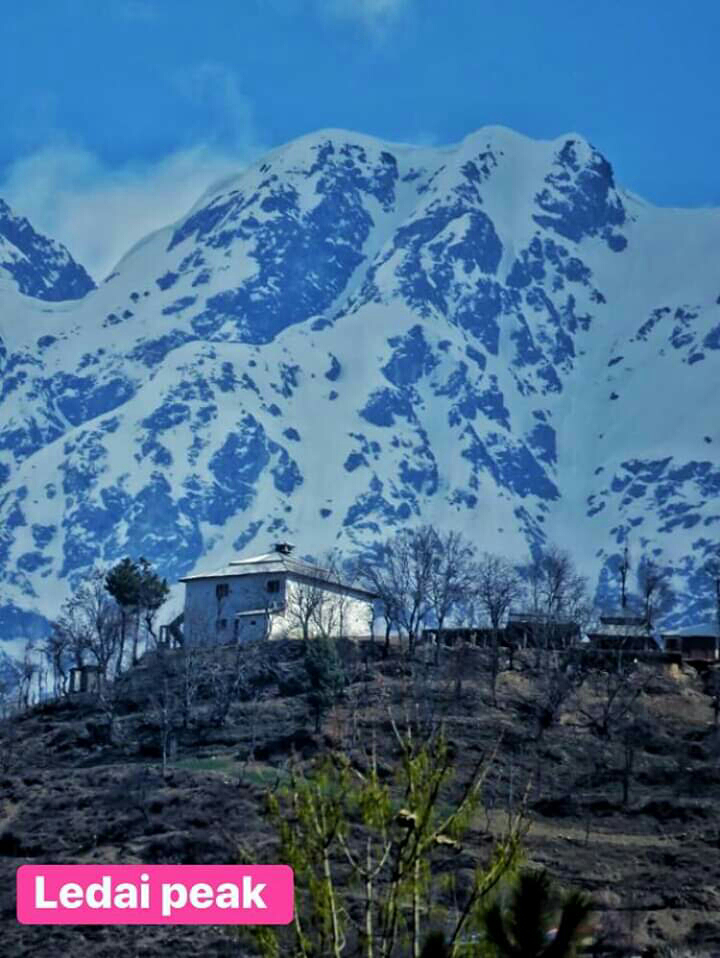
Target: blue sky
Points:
x,y
124,110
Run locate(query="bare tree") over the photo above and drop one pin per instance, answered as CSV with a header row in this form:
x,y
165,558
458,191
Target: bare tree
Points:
x,y
558,597
191,662
655,590
204,670
376,578
222,679
623,572
617,694
713,690
317,605
227,675
108,699
552,691
27,674
634,732
165,706
5,700
68,643
103,621
307,604
329,617
498,588
556,588
408,558
712,570
11,746
89,625
302,608
451,577
57,653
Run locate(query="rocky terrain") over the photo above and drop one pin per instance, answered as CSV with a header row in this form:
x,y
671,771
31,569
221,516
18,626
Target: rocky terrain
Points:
x,y
648,858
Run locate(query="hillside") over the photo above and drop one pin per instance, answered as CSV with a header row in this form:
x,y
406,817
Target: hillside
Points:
x,y
650,863
351,336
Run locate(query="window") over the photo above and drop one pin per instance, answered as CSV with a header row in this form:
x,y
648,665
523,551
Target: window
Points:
x,y
221,624
273,585
222,590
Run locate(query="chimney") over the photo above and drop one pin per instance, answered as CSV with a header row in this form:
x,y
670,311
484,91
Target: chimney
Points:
x,y
284,548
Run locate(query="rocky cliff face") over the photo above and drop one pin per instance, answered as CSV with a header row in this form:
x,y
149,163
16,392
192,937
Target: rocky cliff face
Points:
x,y
352,336
36,265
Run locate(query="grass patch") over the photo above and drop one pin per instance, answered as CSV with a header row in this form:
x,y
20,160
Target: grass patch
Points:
x,y
207,763
253,774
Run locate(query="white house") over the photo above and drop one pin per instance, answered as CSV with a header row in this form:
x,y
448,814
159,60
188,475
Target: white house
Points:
x,y
272,596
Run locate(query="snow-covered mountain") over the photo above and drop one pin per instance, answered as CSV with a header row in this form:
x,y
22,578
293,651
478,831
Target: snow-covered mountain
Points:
x,y
38,266
351,336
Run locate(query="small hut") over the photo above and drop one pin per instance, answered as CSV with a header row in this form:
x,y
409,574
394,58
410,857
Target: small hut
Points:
x,y
537,630
695,643
623,633
85,680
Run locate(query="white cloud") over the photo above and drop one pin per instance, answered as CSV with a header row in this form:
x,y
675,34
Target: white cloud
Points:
x,y
214,90
376,15
100,212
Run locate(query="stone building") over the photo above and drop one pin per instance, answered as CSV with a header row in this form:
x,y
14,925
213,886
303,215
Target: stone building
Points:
x,y
272,596
623,633
85,680
536,630
698,643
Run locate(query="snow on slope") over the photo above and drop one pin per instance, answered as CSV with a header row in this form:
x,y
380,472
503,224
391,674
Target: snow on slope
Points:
x,y
352,336
38,266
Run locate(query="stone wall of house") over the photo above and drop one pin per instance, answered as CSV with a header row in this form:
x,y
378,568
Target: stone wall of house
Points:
x,y
211,617
339,613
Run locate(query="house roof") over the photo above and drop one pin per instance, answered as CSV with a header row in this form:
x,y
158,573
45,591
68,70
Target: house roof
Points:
x,y
619,623
539,618
620,627
278,563
638,621
693,631
259,612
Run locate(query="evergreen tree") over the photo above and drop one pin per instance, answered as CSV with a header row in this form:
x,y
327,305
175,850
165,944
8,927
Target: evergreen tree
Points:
x,y
435,946
326,675
139,591
536,924
153,592
124,583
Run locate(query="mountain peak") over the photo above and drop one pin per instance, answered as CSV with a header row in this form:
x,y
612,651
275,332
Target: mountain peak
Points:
x,y
38,266
351,336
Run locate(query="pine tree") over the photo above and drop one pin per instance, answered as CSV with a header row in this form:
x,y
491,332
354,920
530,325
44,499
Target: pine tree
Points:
x,y
326,675
435,946
123,582
526,928
153,592
139,591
